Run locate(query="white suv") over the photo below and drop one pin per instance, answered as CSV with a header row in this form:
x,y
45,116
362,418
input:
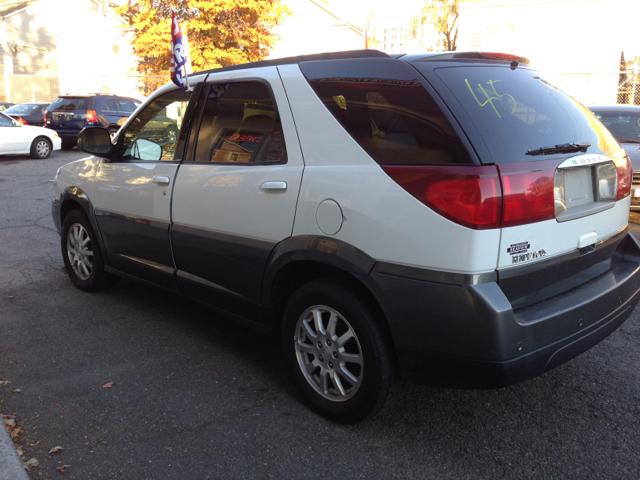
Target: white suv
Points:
x,y
445,218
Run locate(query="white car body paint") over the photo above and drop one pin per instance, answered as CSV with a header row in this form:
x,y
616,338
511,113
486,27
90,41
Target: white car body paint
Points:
x,y
557,238
18,139
380,217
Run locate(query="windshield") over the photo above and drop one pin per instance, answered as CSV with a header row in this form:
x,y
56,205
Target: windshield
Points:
x,y
623,126
519,110
24,109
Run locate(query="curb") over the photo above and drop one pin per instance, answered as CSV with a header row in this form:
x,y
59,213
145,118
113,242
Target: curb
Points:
x,y
11,467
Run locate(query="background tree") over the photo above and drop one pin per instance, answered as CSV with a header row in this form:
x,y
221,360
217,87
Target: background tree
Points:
x,y
220,32
443,15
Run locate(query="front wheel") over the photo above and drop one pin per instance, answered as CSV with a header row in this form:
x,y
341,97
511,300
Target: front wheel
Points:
x,y
337,352
40,148
81,253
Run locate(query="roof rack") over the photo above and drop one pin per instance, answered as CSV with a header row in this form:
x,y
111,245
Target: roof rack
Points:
x,y
77,94
349,54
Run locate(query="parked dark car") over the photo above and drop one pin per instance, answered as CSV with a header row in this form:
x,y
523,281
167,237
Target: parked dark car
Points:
x,y
623,121
5,105
68,114
28,113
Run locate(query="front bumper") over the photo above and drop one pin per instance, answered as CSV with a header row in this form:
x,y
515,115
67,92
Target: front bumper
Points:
x,y
469,336
55,214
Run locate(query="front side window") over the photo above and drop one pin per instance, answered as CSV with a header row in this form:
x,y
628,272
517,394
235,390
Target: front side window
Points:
x,y
240,124
153,134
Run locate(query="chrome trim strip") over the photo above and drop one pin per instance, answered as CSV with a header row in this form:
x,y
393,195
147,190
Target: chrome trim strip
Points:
x,y
151,264
584,160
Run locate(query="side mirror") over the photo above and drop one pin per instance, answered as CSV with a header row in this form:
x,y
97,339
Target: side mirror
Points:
x,y
95,141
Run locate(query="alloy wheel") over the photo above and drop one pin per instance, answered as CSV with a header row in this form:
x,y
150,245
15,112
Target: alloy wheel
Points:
x,y
80,251
329,353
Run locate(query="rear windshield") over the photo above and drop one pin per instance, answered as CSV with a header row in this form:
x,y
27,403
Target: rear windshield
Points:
x,y
624,126
517,110
23,109
70,103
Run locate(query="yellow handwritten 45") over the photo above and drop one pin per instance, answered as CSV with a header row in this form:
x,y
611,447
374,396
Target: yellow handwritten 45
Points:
x,y
490,99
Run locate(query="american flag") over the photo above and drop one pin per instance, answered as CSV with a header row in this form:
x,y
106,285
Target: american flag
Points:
x,y
180,61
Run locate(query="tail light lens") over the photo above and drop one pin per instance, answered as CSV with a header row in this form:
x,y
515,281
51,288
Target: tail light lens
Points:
x,y
625,174
91,116
528,192
469,196
21,120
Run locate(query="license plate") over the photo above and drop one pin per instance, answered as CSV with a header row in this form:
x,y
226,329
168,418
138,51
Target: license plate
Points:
x,y
63,117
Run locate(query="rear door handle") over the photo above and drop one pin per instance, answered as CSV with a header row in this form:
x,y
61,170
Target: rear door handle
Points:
x,y
274,186
161,181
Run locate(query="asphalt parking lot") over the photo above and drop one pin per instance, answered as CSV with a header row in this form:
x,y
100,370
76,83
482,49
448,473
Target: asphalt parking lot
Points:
x,y
195,396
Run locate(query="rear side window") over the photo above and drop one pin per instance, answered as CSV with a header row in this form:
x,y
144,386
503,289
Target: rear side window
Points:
x,y
396,122
240,124
70,103
125,105
518,110
109,105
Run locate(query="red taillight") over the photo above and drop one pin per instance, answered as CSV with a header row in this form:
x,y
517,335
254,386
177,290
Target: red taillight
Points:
x,y
625,174
21,120
91,116
528,192
469,196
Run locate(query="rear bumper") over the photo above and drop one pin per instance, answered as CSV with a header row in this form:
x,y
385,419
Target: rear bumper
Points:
x,y
67,135
469,336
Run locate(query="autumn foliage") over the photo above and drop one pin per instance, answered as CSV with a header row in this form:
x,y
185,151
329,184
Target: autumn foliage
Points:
x,y
220,32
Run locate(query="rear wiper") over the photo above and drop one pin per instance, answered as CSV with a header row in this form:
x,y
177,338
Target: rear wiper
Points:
x,y
564,148
626,140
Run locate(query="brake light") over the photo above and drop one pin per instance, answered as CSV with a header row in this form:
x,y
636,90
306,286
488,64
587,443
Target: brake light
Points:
x,y
91,116
469,196
528,192
625,174
504,56
21,120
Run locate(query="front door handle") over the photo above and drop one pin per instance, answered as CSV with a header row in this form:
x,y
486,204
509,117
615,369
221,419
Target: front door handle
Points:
x,y
161,181
274,186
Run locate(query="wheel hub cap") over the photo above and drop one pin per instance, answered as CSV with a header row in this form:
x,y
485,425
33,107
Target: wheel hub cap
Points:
x,y
329,353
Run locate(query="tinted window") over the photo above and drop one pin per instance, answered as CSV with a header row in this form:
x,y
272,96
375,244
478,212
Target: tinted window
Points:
x,y
126,105
624,126
70,103
240,124
395,121
153,134
109,105
519,110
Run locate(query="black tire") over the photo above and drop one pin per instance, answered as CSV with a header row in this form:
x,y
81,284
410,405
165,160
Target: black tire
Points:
x,y
68,145
41,148
112,132
377,374
84,263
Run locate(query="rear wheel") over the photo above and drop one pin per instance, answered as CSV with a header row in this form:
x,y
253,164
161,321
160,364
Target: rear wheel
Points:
x,y
82,256
337,353
68,145
113,133
41,148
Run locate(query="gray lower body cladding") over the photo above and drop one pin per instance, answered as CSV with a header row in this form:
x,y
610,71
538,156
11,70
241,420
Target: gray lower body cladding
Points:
x,y
470,336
